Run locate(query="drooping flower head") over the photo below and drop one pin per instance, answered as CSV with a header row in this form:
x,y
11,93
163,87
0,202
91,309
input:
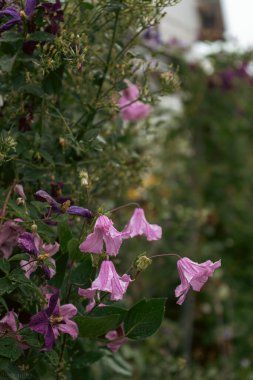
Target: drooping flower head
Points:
x,y
40,254
109,281
193,275
116,338
9,233
55,319
104,233
138,225
132,109
16,14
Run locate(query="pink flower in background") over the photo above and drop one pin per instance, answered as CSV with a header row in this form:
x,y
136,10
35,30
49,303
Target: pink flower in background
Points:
x,y
8,327
20,191
90,295
193,275
117,338
104,232
138,225
132,109
108,280
9,233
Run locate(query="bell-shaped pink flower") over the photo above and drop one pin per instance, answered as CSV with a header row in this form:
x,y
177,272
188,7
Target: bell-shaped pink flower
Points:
x,y
193,275
138,225
8,327
132,109
104,232
109,281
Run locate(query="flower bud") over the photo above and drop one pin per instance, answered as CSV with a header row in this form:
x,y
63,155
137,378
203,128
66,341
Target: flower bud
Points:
x,y
142,263
34,228
83,175
20,201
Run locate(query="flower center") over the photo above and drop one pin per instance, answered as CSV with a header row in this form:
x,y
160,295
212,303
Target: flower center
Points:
x,y
65,206
54,319
22,14
43,256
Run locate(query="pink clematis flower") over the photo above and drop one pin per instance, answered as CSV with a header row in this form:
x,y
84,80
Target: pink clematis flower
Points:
x,y
109,281
40,254
90,295
55,319
132,109
193,275
104,232
9,233
117,338
8,327
138,225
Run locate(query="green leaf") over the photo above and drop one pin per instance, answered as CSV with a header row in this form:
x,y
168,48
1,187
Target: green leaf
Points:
x,y
83,273
30,337
6,285
93,327
17,276
19,256
109,310
65,235
144,318
4,266
118,364
33,89
11,36
9,348
74,251
7,62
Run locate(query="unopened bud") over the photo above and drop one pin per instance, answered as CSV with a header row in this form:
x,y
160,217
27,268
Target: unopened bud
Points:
x,y
20,201
83,175
62,141
34,228
142,263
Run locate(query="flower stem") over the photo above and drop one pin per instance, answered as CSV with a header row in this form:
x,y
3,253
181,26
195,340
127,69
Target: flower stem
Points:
x,y
124,206
165,254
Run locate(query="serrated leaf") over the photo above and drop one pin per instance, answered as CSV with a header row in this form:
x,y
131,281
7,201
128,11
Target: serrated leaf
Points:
x,y
144,318
93,327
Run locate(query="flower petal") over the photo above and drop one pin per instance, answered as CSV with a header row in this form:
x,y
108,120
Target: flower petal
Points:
x,y
68,311
69,327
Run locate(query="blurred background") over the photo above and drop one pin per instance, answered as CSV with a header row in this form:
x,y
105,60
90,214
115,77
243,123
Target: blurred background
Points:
x,y
199,187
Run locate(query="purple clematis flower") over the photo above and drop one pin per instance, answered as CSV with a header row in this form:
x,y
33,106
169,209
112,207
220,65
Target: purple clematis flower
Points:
x,y
40,254
9,233
8,327
109,281
117,338
55,319
16,14
65,207
54,14
138,225
193,275
132,109
104,232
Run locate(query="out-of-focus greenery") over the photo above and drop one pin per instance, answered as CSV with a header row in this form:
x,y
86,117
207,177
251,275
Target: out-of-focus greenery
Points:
x,y
201,187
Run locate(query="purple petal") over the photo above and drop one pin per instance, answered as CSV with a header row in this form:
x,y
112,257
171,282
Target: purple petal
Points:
x,y
44,196
49,338
70,328
28,243
52,303
29,267
51,249
30,7
10,319
68,311
39,322
76,210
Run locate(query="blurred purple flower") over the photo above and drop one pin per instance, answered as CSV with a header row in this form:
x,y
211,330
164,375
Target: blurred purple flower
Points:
x,y
16,14
8,327
90,295
55,319
138,225
193,275
40,254
132,109
104,232
65,207
108,280
9,233
54,14
117,338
